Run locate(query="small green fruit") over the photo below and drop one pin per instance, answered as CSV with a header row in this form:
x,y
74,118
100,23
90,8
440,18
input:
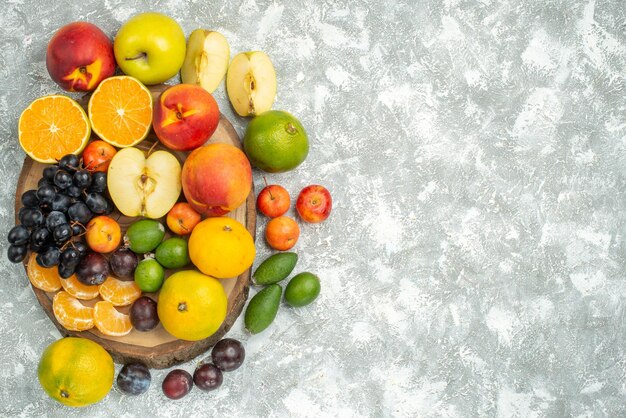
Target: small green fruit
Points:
x,y
172,253
144,236
302,289
262,308
149,275
275,268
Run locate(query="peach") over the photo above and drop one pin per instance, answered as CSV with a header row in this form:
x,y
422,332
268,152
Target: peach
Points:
x,y
216,179
80,56
185,117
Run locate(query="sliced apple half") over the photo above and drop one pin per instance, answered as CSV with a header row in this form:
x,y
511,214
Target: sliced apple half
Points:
x,y
141,186
251,83
206,59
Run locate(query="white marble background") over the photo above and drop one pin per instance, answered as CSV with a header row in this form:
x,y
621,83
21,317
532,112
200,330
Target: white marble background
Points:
x,y
474,261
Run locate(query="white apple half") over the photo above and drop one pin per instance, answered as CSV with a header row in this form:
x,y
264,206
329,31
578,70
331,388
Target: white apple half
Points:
x,y
251,83
206,60
141,186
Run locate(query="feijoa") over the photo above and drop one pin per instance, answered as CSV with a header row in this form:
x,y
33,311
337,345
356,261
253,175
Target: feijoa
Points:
x,y
262,308
172,253
145,235
302,289
275,268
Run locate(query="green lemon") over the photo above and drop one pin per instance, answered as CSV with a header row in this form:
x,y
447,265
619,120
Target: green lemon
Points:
x,y
149,275
275,141
172,253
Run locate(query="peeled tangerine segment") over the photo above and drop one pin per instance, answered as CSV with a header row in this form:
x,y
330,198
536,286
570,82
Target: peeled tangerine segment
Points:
x,y
144,187
118,292
110,321
79,290
46,279
70,313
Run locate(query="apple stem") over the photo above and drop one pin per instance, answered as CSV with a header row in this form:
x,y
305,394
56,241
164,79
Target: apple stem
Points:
x,y
141,55
268,190
152,147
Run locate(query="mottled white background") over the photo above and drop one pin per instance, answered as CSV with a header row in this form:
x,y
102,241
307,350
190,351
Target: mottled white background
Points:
x,y
474,261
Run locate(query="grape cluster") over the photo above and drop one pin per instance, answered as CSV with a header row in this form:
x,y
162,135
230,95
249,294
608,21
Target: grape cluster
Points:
x,y
54,216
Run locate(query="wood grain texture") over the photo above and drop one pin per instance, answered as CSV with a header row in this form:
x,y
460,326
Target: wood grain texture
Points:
x,y
156,348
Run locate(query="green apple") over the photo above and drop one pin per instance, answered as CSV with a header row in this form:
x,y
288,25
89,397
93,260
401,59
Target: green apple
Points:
x,y
150,47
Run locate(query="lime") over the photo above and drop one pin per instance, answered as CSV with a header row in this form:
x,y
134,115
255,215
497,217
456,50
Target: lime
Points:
x,y
172,253
302,289
275,141
149,275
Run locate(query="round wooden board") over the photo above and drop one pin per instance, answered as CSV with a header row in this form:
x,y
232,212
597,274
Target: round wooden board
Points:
x,y
156,348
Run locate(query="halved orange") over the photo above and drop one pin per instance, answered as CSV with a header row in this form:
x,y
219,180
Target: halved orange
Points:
x,y
53,126
120,111
118,292
70,313
80,291
110,321
46,279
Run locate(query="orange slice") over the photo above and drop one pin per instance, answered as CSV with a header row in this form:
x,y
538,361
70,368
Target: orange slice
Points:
x,y
79,290
120,111
51,127
46,279
110,321
70,313
118,292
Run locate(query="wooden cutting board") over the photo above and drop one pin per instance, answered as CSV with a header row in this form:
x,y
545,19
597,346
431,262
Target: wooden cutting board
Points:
x,y
156,348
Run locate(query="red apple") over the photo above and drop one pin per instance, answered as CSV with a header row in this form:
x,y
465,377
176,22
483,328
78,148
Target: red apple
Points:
x,y
216,178
314,203
182,218
273,201
97,156
185,117
80,56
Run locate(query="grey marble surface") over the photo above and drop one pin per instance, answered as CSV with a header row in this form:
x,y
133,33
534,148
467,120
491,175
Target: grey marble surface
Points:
x,y
474,261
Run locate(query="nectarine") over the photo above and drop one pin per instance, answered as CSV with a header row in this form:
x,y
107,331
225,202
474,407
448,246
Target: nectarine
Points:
x,y
185,117
216,179
80,56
